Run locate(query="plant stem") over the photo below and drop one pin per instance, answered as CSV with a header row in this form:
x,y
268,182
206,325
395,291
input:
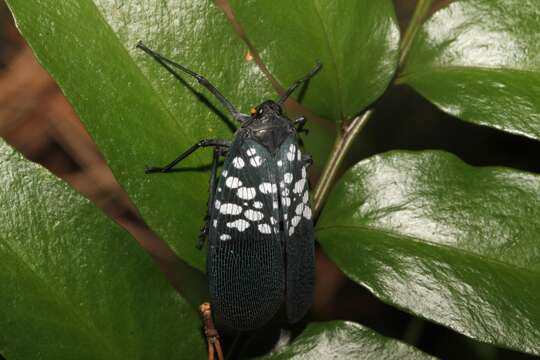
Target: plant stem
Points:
x,y
420,12
343,142
346,135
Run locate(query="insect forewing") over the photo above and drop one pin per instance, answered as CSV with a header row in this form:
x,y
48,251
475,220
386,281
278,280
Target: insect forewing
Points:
x,y
297,233
245,261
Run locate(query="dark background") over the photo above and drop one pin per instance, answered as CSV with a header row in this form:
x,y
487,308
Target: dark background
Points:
x,y
36,119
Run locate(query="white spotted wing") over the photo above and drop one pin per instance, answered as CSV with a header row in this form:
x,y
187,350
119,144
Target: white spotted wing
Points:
x,y
245,261
297,228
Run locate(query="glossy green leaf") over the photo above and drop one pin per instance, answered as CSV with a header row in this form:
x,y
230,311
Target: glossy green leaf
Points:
x,y
478,60
344,340
137,113
76,286
452,243
356,41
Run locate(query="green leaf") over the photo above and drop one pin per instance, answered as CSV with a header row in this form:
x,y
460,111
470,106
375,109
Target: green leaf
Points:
x,y
478,60
356,41
345,340
76,286
137,113
452,243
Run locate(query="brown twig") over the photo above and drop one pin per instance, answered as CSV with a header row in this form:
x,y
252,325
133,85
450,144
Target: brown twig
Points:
x,y
212,336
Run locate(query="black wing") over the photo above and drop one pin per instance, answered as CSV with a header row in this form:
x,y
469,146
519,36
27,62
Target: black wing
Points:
x,y
297,228
245,259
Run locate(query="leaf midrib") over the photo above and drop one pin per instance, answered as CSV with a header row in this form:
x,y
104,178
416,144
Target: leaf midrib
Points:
x,y
432,244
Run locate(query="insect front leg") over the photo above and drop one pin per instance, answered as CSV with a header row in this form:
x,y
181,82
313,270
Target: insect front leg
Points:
x,y
185,154
300,122
203,234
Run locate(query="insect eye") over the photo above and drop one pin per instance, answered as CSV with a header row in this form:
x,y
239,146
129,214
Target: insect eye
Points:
x,y
253,111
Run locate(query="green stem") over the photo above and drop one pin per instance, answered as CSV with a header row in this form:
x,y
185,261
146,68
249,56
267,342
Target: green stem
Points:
x,y
420,12
343,143
346,136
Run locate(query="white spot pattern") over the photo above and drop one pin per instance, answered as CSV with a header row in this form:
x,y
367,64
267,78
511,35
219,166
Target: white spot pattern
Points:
x,y
264,229
307,212
267,188
230,209
286,201
302,208
300,200
288,178
246,193
224,173
239,224
299,209
295,221
255,161
233,182
299,186
238,162
291,153
253,215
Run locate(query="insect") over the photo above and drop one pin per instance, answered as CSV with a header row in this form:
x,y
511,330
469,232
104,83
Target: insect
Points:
x,y
259,223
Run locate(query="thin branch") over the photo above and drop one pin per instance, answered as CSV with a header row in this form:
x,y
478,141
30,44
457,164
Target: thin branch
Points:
x,y
343,143
420,13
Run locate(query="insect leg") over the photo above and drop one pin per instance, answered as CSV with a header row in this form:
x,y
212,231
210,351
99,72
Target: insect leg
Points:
x,y
167,63
185,154
307,159
301,121
218,152
298,82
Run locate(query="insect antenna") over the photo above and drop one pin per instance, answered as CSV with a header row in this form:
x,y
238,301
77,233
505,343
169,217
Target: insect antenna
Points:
x,y
167,63
298,82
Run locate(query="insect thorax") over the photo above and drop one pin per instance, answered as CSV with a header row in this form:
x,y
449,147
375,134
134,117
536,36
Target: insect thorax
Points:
x,y
269,130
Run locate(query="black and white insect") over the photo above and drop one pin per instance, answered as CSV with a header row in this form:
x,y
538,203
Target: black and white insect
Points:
x,y
260,223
